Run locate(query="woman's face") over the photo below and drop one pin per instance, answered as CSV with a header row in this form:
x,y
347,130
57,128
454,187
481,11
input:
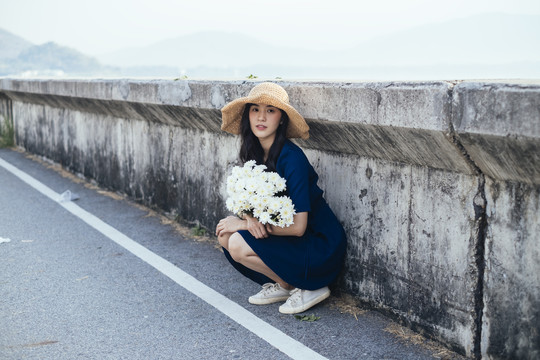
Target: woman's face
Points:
x,y
264,121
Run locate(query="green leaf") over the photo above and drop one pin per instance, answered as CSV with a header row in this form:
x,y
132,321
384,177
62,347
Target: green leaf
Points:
x,y
309,318
198,230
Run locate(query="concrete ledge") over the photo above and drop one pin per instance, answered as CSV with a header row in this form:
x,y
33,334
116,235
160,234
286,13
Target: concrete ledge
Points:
x,y
435,183
499,126
388,143
416,114
166,114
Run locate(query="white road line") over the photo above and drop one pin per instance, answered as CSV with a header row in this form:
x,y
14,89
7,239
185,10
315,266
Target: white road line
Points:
x,y
265,331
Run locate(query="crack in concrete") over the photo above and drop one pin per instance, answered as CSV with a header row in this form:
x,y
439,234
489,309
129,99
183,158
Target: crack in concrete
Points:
x,y
482,224
480,218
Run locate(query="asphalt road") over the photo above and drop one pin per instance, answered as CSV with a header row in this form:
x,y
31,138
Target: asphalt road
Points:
x,y
125,285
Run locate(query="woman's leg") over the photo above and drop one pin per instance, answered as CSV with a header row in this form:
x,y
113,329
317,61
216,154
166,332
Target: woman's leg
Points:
x,y
242,253
223,240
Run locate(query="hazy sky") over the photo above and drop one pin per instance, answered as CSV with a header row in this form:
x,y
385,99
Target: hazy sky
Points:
x,y
99,26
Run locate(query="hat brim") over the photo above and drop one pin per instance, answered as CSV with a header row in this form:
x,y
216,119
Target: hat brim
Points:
x,y
232,115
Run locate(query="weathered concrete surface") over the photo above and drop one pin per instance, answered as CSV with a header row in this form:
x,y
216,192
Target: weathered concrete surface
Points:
x,y
411,243
6,117
428,210
164,166
512,278
499,126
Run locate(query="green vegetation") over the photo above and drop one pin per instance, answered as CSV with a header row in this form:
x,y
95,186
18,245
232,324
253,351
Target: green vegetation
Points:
x,y
309,318
251,76
198,230
7,133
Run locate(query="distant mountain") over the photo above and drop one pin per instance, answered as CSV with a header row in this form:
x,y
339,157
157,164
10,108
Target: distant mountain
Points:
x,y
19,57
478,39
475,47
210,49
54,56
53,59
11,45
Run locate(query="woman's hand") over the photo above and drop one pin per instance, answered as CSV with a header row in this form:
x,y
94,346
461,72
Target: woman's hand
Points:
x,y
230,224
256,229
270,229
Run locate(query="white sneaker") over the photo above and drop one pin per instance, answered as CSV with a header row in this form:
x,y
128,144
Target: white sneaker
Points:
x,y
269,294
301,300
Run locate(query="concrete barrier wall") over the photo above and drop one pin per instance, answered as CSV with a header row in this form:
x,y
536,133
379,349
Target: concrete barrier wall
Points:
x,y
436,183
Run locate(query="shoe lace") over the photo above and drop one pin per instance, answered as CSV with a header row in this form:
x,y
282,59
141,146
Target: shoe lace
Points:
x,y
296,296
270,288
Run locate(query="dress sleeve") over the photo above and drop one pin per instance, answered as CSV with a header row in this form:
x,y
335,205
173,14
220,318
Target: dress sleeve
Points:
x,y
296,167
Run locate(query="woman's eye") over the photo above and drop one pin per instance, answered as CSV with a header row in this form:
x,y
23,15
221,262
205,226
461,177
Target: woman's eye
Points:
x,y
270,110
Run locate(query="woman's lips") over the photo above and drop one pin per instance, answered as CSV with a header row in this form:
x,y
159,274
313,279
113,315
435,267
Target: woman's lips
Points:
x,y
260,127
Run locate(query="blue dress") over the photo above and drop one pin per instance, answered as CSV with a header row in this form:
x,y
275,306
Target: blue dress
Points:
x,y
315,259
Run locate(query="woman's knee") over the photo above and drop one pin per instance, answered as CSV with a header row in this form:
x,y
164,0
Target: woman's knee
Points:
x,y
224,240
237,247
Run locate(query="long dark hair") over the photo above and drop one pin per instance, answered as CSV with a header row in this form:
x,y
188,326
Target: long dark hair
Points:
x,y
251,148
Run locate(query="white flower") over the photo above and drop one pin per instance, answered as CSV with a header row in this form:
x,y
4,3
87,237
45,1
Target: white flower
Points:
x,y
230,204
251,186
256,201
257,212
240,186
280,184
264,191
264,217
274,205
259,169
251,189
243,196
236,171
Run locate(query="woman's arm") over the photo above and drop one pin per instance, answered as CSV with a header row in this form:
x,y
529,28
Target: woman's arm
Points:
x,y
232,224
298,228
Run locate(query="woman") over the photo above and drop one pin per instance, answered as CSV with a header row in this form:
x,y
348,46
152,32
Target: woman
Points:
x,y
296,263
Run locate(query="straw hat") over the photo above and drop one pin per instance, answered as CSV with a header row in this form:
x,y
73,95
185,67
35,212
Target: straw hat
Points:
x,y
269,94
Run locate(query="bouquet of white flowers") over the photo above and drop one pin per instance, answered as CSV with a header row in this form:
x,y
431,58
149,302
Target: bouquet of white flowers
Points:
x,y
252,191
